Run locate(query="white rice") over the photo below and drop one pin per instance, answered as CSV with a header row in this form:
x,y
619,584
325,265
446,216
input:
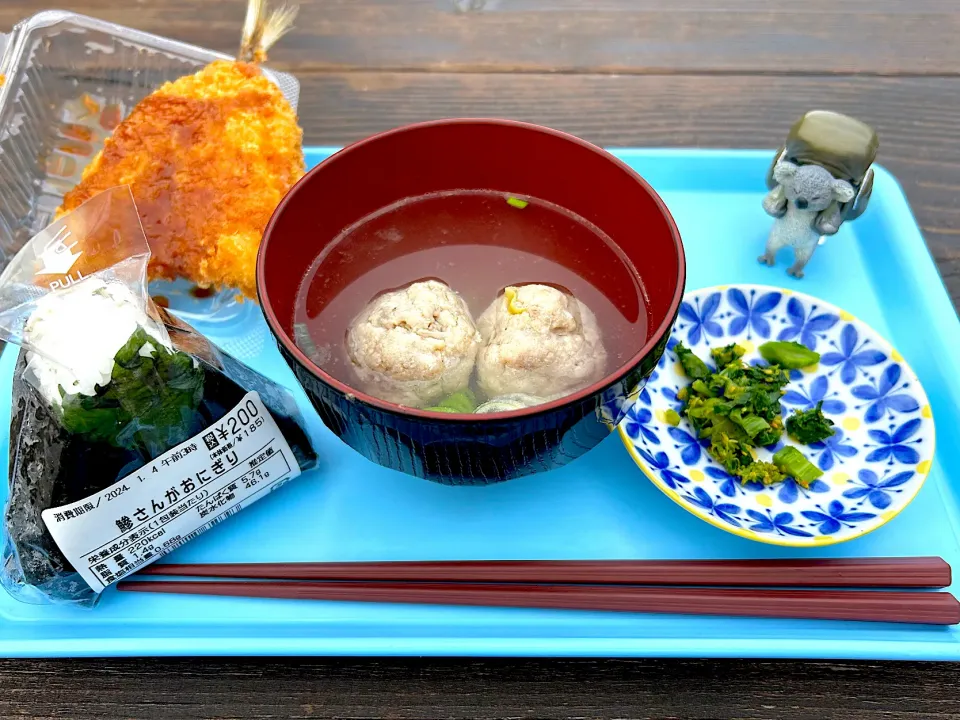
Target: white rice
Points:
x,y
74,334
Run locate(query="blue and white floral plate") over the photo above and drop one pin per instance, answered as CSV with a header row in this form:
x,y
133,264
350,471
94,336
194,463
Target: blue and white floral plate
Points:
x,y
872,467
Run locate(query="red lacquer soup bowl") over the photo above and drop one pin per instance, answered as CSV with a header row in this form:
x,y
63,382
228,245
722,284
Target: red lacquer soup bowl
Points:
x,y
518,160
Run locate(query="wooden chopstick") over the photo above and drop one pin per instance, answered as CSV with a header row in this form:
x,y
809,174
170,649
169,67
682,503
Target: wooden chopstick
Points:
x,y
932,608
904,572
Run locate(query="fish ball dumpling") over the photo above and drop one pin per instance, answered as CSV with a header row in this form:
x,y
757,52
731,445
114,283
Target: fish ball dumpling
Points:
x,y
414,346
538,340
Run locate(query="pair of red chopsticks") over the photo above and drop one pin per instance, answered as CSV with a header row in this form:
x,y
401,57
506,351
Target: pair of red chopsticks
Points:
x,y
695,587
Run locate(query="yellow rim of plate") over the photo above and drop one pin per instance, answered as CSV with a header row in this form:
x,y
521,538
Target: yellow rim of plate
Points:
x,y
817,540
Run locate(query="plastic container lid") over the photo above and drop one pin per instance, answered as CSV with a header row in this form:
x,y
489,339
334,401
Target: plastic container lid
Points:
x,y
66,81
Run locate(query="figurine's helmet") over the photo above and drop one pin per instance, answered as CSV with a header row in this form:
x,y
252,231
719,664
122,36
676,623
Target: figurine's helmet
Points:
x,y
838,143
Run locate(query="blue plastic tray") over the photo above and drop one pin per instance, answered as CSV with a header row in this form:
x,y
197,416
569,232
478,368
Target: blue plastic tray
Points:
x,y
601,506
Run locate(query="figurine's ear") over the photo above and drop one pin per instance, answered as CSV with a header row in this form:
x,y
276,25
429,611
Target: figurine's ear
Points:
x,y
843,191
784,171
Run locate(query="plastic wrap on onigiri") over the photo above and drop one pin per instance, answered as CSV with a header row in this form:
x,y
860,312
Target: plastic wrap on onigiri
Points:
x,y
130,432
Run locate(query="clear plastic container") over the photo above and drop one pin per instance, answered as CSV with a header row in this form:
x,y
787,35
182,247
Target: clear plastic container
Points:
x,y
66,81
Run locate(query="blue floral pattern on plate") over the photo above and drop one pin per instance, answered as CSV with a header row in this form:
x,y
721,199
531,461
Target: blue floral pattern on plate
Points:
x,y
873,466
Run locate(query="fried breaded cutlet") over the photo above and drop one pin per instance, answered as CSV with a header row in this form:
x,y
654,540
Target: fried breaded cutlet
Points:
x,y
208,158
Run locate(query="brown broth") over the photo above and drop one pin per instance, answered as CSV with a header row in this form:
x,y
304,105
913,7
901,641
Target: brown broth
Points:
x,y
470,240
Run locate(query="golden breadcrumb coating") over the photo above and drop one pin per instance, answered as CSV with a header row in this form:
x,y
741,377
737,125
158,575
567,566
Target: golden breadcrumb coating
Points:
x,y
208,157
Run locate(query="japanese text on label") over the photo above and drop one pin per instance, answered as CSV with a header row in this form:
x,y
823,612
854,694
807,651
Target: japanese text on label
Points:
x,y
174,498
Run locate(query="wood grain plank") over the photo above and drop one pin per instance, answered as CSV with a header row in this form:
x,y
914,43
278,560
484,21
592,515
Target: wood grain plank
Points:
x,y
915,117
854,36
344,688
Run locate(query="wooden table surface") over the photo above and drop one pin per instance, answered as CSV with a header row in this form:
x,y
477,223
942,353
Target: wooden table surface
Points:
x,y
617,72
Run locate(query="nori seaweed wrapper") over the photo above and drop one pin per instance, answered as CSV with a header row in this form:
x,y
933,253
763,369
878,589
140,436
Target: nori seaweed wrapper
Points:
x,y
150,398
49,467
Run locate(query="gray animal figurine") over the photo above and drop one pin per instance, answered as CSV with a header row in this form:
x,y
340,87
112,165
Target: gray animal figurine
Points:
x,y
820,178
798,202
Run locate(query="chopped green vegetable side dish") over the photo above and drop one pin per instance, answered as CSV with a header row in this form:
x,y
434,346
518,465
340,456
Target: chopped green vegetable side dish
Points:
x,y
726,355
762,472
810,426
789,355
792,462
694,367
737,407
